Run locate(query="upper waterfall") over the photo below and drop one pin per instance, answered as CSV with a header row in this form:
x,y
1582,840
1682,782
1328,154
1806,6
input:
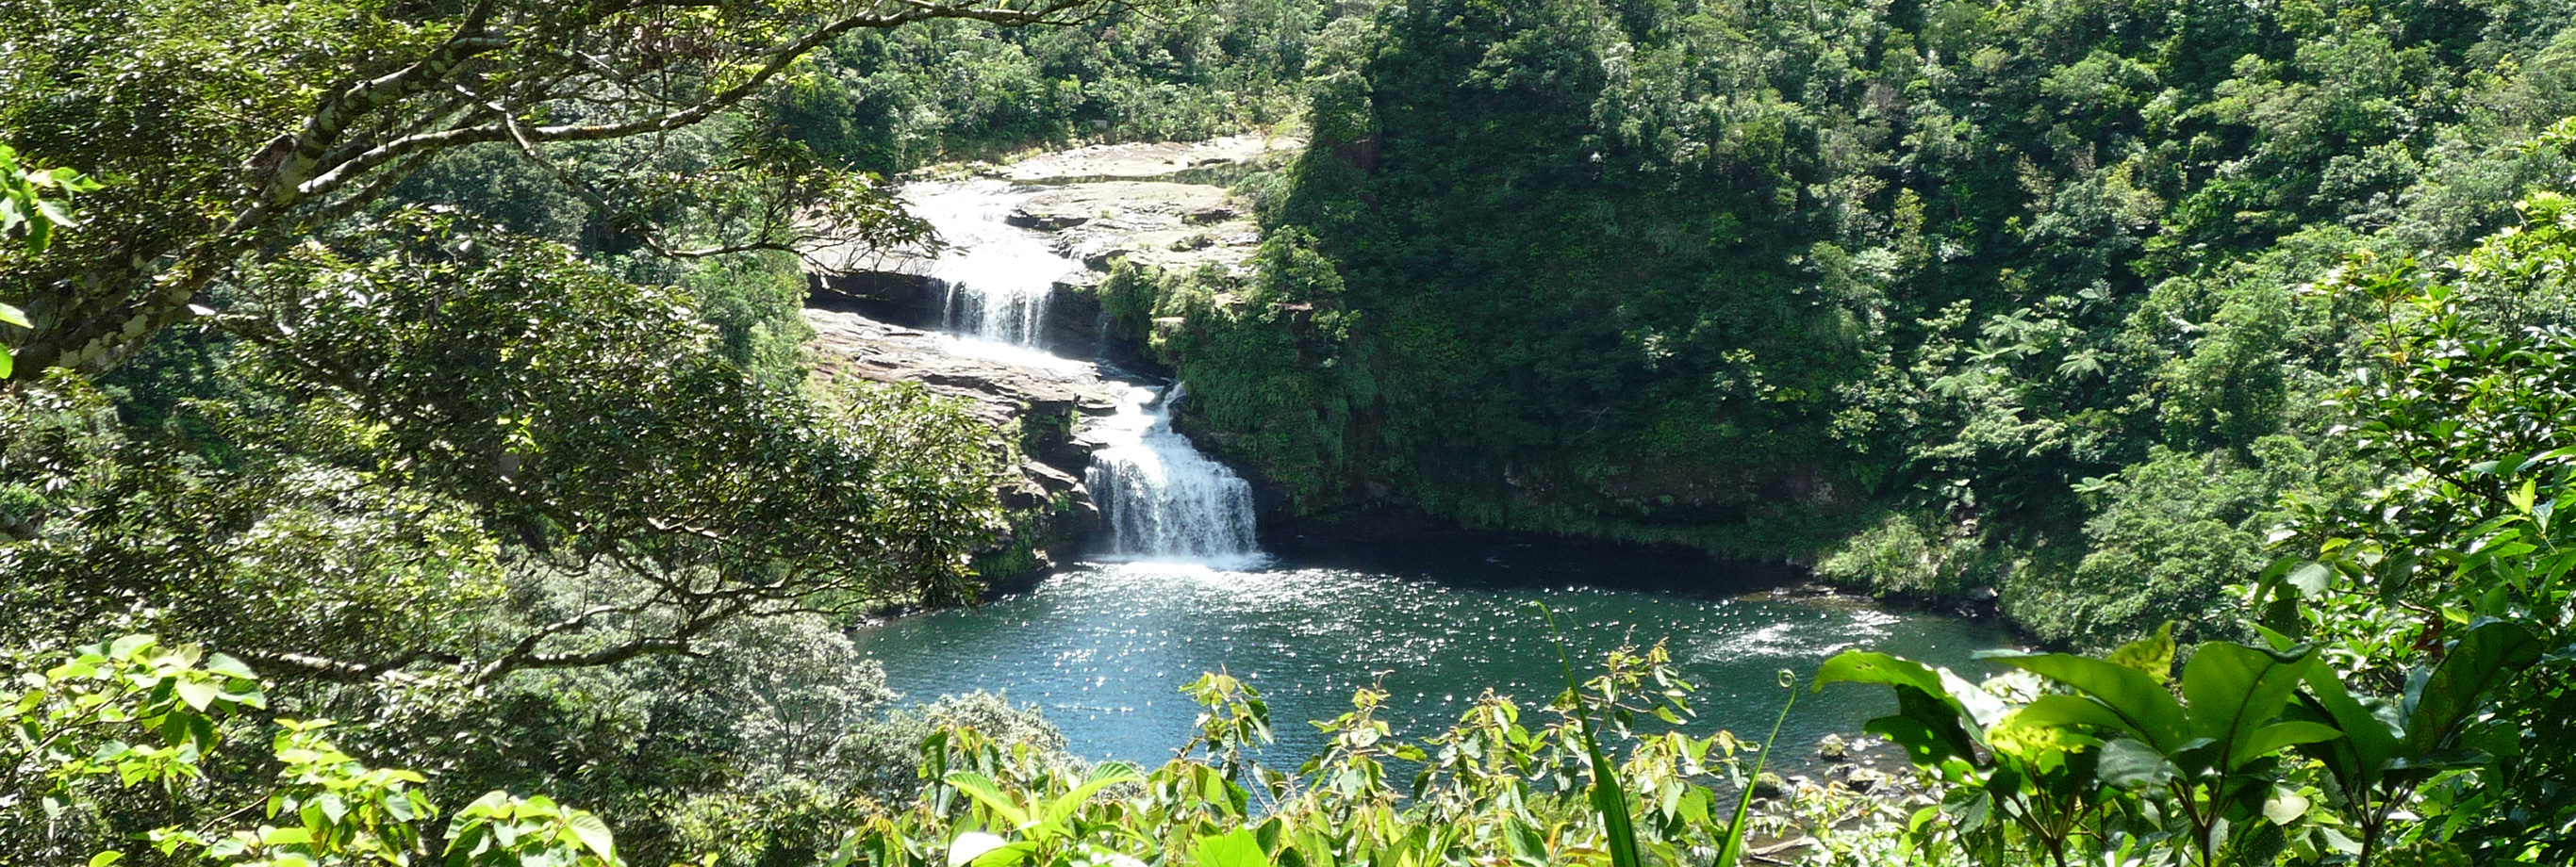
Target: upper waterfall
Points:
x,y
996,277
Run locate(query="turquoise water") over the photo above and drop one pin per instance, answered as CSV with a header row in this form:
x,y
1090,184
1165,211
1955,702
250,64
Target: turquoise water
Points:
x,y
1104,648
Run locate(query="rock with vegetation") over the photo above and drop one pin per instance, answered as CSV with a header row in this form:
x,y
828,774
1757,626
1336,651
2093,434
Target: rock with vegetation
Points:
x,y
1032,415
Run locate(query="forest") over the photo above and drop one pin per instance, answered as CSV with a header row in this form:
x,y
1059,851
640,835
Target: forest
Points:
x,y
410,451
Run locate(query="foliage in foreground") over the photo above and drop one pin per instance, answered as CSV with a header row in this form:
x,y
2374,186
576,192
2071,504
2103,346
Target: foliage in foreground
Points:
x,y
132,717
135,726
2250,755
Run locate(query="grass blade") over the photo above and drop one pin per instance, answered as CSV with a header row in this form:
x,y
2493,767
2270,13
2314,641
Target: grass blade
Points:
x,y
1732,853
1607,795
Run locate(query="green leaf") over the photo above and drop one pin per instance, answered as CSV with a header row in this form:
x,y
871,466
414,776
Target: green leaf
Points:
x,y
197,694
1237,849
229,667
2278,736
1062,808
2285,806
108,857
982,789
2486,657
2311,579
125,647
2139,704
2131,764
2234,689
1928,721
594,835
1860,666
2062,710
54,211
2443,760
2369,741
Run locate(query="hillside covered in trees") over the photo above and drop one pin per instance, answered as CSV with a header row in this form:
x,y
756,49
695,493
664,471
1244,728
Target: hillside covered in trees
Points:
x,y
433,369
2040,298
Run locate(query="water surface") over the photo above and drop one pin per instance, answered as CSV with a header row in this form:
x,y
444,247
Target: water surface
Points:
x,y
1103,648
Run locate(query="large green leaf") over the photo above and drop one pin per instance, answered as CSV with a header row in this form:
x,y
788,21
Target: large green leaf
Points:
x,y
1235,849
2071,710
2489,654
2282,735
1062,808
2131,764
1861,666
2139,704
2369,739
1929,718
2235,689
593,834
982,789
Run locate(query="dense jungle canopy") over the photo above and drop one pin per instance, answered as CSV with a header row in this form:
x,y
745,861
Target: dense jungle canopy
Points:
x,y
433,367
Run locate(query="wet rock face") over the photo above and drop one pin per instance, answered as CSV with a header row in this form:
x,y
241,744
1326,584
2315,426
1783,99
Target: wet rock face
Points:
x,y
848,344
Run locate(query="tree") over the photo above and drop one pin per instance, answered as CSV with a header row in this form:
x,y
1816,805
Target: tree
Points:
x,y
119,715
469,413
31,207
236,128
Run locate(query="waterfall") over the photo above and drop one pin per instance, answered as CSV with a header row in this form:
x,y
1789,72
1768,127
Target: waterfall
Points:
x,y
1163,499
995,278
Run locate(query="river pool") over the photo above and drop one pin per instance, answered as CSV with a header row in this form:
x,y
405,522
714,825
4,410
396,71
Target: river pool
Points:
x,y
1104,648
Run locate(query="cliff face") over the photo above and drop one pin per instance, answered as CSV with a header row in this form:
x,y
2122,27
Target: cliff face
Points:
x,y
1036,413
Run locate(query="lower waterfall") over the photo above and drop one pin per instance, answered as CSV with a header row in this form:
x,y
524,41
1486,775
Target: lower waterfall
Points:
x,y
1161,498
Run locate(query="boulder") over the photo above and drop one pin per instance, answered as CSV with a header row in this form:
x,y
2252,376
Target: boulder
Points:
x,y
1044,221
1210,215
1833,749
1860,779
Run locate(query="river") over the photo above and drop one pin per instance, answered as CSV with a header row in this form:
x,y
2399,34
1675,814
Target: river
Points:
x,y
1177,587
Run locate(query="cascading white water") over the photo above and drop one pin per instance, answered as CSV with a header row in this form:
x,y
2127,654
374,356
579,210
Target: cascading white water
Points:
x,y
995,278
1162,499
